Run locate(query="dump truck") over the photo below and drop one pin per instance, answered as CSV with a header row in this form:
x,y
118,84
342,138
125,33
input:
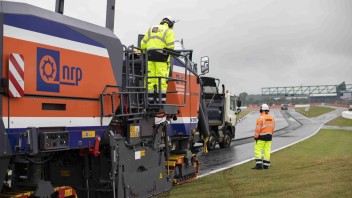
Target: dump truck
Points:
x,y
222,108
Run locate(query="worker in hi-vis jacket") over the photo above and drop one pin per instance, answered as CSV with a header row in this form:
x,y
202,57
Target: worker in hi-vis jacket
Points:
x,y
263,136
159,37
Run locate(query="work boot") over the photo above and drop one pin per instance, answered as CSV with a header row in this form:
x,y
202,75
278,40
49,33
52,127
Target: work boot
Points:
x,y
266,164
258,167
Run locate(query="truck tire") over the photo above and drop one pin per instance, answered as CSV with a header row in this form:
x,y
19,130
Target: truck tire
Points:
x,y
211,141
226,142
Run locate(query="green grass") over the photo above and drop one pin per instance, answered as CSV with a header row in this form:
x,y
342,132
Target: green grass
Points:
x,y
314,111
340,121
243,113
320,166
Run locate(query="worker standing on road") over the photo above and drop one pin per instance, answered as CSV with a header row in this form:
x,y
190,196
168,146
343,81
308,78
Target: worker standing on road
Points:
x,y
263,136
159,37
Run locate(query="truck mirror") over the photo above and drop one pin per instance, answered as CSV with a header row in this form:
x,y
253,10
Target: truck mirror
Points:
x,y
204,64
239,103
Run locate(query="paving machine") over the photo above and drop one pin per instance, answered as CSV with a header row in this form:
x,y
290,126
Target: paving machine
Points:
x,y
75,115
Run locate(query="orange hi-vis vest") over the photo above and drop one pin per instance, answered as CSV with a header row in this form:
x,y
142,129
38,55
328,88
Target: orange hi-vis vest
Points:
x,y
265,125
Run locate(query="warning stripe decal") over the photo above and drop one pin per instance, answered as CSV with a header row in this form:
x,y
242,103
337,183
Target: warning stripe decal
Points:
x,y
16,75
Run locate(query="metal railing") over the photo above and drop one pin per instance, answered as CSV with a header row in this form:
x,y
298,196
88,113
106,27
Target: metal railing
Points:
x,y
159,94
131,98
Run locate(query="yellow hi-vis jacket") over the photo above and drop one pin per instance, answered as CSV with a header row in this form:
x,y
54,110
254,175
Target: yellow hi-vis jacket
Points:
x,y
159,36
265,127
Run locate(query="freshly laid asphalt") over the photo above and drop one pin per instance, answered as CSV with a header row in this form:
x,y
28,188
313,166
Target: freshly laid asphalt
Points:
x,y
291,127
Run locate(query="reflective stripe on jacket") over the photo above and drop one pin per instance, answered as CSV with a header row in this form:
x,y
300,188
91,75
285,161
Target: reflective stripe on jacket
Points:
x,y
265,126
159,36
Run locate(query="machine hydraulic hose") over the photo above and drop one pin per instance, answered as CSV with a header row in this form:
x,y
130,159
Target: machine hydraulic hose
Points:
x,y
203,124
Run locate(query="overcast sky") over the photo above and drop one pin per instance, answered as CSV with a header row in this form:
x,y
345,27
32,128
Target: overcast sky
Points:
x,y
251,43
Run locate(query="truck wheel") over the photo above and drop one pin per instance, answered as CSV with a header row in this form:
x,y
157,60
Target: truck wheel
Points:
x,y
226,142
211,141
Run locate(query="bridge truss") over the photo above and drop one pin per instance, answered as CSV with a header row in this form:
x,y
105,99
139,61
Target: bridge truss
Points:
x,y
307,90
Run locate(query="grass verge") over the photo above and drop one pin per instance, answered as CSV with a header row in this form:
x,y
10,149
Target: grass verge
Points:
x,y
317,167
314,111
340,121
243,113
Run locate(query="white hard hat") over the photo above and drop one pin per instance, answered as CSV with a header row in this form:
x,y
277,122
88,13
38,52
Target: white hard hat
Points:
x,y
170,18
264,107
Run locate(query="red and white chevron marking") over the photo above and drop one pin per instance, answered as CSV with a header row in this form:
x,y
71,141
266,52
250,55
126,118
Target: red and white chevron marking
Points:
x,y
16,75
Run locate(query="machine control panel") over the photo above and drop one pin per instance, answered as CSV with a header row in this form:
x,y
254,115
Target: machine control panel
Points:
x,y
54,140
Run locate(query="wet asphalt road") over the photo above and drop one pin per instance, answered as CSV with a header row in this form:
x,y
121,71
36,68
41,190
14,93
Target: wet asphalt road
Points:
x,y
291,127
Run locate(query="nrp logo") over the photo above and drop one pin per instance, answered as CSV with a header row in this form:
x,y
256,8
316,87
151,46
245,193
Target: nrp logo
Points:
x,y
48,70
50,75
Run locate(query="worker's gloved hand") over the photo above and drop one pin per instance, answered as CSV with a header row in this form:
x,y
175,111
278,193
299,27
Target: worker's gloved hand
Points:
x,y
255,139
